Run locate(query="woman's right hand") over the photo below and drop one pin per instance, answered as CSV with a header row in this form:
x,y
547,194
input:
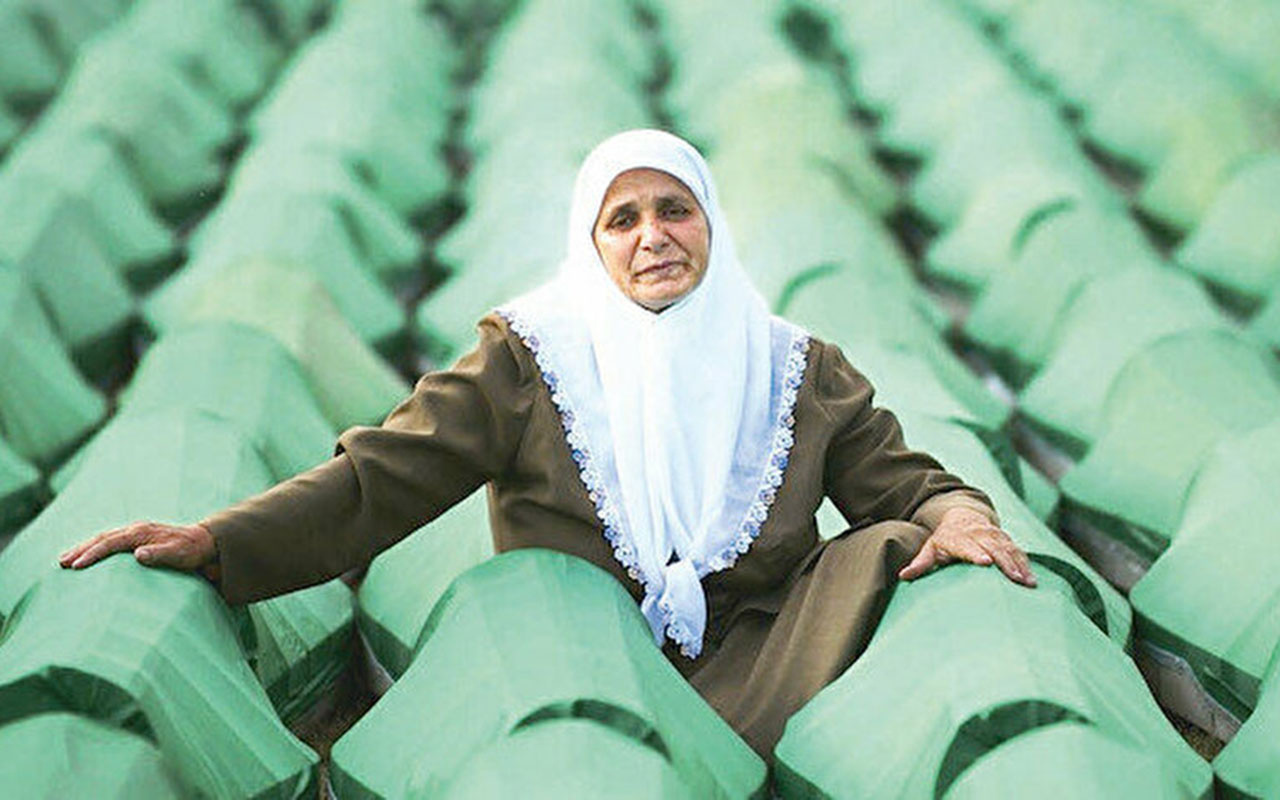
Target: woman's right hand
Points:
x,y
154,544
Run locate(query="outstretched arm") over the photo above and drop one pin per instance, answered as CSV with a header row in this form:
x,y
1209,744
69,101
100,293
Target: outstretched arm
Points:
x,y
458,429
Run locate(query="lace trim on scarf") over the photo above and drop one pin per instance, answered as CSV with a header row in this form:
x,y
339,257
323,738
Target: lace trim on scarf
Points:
x,y
607,511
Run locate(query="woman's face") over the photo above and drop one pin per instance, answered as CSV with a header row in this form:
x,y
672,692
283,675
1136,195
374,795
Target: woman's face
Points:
x,y
652,237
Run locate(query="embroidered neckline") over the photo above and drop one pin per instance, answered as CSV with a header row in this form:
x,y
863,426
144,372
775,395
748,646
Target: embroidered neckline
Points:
x,y
606,509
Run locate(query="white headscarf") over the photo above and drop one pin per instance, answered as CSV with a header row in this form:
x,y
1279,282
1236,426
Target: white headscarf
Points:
x,y
680,421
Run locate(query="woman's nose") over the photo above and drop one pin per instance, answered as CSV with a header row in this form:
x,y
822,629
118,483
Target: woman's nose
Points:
x,y
653,235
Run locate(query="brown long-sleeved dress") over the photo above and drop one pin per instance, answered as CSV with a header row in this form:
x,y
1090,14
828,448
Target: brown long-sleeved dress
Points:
x,y
788,618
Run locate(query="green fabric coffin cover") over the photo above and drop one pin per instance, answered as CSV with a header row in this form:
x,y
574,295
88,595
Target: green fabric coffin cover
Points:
x,y
488,271
1067,761
907,381
1168,406
404,583
56,756
178,465
529,636
373,90
933,98
554,32
862,312
790,221
54,240
1248,768
244,375
220,44
1246,32
778,117
1220,135
962,451
747,33
986,239
168,131
1212,596
568,105
30,65
351,384
1074,47
898,52
94,172
964,660
19,489
309,230
1014,133
175,465
154,652
1111,318
387,246
46,408
1237,244
1018,314
1155,86
565,758
302,642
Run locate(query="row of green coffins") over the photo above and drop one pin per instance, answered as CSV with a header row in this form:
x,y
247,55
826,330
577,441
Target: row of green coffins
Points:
x,y
342,150
156,652
561,685
140,126
989,175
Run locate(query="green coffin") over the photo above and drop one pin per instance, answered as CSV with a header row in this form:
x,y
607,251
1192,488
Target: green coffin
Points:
x,y
965,661
985,240
92,171
404,583
178,465
305,229
1248,768
154,652
350,382
58,755
1111,318
1019,313
880,327
243,375
56,243
220,44
175,465
302,642
519,641
1017,132
1236,245
1167,407
1067,761
167,130
564,758
46,407
960,449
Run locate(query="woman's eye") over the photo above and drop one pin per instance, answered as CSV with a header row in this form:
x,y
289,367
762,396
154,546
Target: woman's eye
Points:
x,y
621,221
676,212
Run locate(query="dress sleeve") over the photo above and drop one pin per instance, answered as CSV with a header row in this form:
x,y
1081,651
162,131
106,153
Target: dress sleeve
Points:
x,y
459,429
870,474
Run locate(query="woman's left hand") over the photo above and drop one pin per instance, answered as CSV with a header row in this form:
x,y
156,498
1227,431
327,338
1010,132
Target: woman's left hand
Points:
x,y
966,535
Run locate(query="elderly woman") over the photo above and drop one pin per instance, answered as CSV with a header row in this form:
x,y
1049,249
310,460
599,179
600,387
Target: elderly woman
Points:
x,y
645,412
